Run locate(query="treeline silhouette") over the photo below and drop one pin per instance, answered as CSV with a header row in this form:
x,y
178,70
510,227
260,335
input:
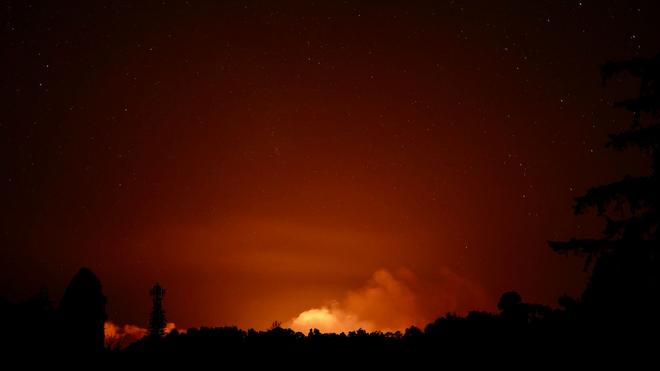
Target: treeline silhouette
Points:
x,y
75,327
618,312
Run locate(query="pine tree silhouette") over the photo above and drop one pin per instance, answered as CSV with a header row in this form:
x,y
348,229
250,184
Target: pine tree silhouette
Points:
x,y
625,276
157,320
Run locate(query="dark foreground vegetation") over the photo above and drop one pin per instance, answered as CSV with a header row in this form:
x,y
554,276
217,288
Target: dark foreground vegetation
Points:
x,y
616,317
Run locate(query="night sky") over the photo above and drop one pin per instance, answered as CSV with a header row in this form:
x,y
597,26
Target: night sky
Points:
x,y
367,164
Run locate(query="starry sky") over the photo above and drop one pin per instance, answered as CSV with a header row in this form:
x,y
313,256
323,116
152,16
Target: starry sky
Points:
x,y
375,163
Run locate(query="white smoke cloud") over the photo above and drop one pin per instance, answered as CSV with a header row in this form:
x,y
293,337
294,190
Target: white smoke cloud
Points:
x,y
327,319
384,303
391,302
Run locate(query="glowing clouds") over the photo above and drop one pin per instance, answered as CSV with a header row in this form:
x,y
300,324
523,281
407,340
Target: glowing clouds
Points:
x,y
322,319
123,336
391,302
387,302
384,303
327,319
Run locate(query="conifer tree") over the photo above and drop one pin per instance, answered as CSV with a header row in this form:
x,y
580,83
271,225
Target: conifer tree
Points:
x,y
625,275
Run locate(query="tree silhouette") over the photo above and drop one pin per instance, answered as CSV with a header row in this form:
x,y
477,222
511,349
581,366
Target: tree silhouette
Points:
x,y
625,275
508,301
157,320
82,313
